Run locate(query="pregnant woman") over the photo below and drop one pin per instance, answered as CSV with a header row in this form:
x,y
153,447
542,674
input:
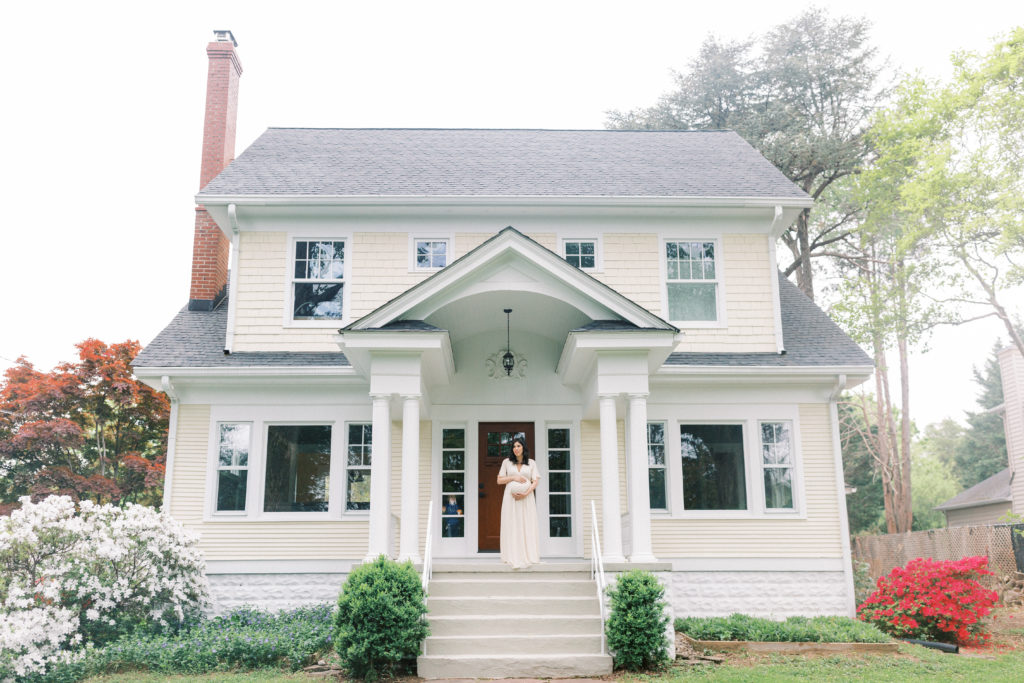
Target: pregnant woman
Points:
x,y
519,476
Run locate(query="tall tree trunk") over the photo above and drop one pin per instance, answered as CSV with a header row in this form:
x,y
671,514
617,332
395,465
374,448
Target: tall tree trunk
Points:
x,y
906,509
885,458
804,274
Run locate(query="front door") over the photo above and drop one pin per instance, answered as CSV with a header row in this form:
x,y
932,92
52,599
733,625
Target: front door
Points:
x,y
495,446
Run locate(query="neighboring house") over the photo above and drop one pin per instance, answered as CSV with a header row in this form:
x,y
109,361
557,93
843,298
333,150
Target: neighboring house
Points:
x,y
345,378
988,501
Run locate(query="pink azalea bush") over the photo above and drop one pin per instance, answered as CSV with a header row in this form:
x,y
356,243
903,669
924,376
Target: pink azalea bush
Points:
x,y
929,600
72,574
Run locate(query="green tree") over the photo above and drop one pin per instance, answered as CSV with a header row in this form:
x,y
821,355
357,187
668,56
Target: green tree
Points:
x,y
864,503
982,451
802,94
934,483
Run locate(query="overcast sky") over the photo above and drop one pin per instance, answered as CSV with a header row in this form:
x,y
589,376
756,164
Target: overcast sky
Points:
x,y
103,102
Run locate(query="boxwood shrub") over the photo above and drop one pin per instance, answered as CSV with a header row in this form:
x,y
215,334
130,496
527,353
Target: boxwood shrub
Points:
x,y
636,625
792,630
380,619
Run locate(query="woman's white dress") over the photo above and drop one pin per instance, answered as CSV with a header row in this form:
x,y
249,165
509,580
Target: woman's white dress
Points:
x,y
519,519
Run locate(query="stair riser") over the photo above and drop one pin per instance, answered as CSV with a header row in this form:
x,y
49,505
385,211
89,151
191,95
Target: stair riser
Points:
x,y
564,589
502,667
524,575
496,567
543,626
547,645
526,607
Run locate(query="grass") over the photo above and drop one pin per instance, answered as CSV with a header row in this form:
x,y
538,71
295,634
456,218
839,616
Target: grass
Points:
x,y
913,663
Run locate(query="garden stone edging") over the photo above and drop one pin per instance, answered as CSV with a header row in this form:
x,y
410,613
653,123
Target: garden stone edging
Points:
x,y
775,647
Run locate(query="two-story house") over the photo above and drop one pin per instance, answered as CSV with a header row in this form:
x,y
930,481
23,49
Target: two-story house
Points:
x,y
375,313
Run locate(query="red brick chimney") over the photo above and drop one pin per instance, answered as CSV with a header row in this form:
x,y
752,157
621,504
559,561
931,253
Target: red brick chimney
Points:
x,y
210,247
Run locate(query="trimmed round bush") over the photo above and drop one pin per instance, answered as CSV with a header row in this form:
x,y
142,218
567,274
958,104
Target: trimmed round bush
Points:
x,y
380,619
636,625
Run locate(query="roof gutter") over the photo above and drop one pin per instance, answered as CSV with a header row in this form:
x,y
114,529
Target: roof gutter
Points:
x,y
491,200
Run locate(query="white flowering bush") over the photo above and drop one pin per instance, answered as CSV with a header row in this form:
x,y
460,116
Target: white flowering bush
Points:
x,y
71,575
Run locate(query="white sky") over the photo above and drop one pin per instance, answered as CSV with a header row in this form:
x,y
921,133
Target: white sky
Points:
x,y
101,122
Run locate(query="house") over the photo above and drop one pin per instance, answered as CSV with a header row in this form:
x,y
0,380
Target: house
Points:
x,y
989,501
375,313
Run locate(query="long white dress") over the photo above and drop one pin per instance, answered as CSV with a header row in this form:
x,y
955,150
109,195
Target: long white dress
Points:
x,y
519,519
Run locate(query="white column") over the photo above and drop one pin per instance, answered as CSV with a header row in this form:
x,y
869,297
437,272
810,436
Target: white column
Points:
x,y
639,488
380,478
409,543
611,518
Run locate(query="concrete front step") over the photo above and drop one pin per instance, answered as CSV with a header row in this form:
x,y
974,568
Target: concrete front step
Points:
x,y
529,666
444,586
536,645
512,606
502,568
498,624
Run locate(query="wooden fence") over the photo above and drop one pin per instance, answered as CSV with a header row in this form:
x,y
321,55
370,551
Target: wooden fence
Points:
x,y
883,553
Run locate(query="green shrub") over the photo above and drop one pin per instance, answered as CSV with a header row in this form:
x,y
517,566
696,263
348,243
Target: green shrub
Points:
x,y
244,639
380,620
792,630
636,625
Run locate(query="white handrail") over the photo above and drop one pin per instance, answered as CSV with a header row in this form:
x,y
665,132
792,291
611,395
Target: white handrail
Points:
x,y
597,567
427,556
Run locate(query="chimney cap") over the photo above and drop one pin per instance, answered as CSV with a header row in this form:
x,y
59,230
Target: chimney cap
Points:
x,y
225,36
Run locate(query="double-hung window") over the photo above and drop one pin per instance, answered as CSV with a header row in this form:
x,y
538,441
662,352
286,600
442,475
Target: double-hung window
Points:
x,y
692,277
656,465
318,280
777,464
357,478
233,443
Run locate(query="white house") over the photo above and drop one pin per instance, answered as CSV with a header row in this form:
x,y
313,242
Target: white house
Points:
x,y
344,375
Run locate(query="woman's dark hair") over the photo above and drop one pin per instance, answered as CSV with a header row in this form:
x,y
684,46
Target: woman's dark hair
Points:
x,y
526,449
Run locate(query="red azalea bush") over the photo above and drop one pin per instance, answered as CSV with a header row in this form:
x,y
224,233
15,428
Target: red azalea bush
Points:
x,y
929,600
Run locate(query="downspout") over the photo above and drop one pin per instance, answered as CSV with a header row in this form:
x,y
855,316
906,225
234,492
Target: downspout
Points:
x,y
172,433
229,340
844,521
773,276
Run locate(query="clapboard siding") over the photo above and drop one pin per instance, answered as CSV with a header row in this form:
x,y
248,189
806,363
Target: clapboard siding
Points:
x,y
816,536
301,540
590,475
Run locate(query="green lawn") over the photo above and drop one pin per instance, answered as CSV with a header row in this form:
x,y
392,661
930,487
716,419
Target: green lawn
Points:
x,y
913,664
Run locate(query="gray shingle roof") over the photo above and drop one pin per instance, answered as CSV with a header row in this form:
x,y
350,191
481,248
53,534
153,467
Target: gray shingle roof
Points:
x,y
195,339
460,162
809,336
995,489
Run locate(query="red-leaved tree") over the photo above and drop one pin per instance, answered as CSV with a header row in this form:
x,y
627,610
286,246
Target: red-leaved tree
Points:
x,y
87,429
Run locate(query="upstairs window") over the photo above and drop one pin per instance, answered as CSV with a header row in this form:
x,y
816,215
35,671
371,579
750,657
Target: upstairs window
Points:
x,y
692,276
431,254
318,280
581,253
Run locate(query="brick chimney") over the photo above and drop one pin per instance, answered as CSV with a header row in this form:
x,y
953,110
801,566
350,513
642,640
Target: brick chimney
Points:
x,y
210,247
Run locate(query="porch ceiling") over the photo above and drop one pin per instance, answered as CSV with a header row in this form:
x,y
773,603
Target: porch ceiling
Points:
x,y
532,314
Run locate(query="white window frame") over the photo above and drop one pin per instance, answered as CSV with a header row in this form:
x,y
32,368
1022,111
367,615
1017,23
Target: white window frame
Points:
x,y
750,417
666,427
345,467
261,417
718,281
598,262
249,484
291,280
415,267
454,540
560,546
791,466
